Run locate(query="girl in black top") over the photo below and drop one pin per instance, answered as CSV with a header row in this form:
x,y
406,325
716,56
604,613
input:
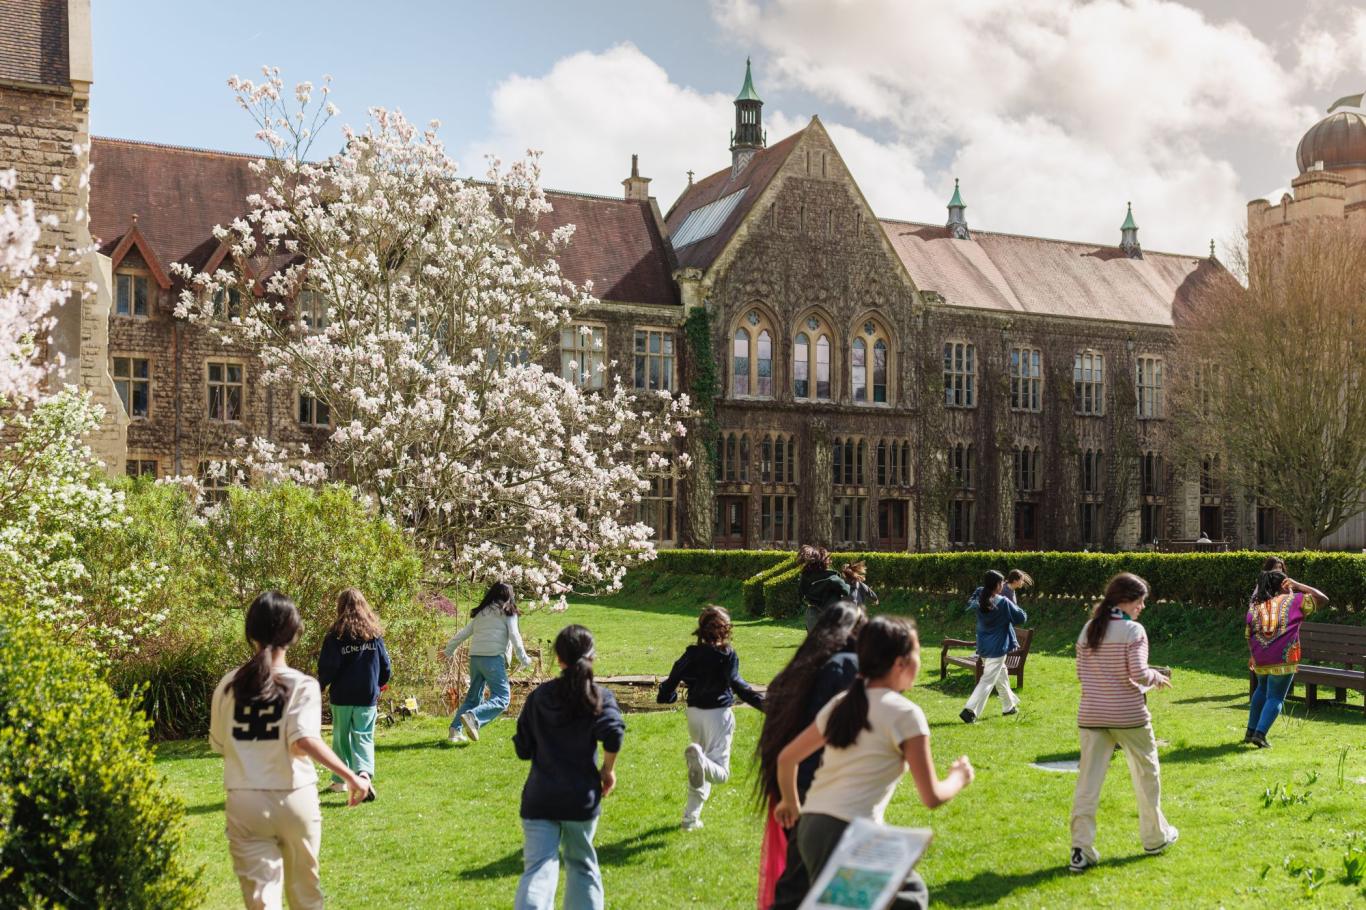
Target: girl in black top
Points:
x,y
819,585
823,667
711,671
558,731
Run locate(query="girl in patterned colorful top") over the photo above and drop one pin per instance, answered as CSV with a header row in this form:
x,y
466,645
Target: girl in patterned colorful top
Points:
x,y
1279,606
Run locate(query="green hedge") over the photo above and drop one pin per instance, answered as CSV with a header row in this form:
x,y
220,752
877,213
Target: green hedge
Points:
x,y
85,819
740,564
752,590
1212,580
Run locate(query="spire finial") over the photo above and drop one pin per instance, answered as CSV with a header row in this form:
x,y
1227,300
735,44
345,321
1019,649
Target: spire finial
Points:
x,y
689,178
635,165
1211,248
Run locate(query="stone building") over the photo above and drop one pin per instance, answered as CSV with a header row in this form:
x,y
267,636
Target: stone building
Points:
x,y
1331,188
865,382
45,77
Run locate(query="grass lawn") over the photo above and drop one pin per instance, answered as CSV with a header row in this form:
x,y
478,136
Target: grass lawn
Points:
x,y
445,831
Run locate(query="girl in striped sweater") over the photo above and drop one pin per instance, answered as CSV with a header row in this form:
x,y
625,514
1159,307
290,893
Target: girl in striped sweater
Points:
x,y
1112,664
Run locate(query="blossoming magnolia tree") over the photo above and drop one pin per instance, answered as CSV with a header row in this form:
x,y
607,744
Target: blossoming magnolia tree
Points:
x,y
55,514
418,307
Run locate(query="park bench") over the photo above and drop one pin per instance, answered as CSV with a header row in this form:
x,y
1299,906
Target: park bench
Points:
x,y
1015,660
1322,644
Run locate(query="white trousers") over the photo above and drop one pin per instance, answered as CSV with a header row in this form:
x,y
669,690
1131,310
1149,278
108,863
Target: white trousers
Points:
x,y
274,836
712,729
1140,749
994,676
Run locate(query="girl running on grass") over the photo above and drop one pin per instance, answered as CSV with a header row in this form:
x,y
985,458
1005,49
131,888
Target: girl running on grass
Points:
x,y
354,666
1279,607
871,735
856,576
1015,580
823,667
494,638
559,730
997,617
711,671
266,721
1112,664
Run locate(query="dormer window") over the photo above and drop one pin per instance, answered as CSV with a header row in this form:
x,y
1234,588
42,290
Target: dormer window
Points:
x,y
132,293
227,304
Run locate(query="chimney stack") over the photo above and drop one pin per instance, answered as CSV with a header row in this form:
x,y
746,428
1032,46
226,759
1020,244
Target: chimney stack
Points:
x,y
637,187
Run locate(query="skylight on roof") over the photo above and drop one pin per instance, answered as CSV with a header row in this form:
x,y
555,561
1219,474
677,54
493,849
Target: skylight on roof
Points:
x,y
703,222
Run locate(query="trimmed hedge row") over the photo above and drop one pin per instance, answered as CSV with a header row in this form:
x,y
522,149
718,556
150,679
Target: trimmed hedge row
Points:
x,y
1210,580
740,564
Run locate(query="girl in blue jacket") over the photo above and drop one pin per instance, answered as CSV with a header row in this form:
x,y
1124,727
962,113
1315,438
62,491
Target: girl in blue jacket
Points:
x,y
997,617
353,667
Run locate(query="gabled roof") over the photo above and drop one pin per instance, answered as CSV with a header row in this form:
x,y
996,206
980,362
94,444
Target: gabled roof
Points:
x,y
617,245
1011,273
179,194
35,43
753,180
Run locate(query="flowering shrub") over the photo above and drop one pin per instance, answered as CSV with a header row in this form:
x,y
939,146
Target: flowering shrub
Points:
x,y
418,306
60,533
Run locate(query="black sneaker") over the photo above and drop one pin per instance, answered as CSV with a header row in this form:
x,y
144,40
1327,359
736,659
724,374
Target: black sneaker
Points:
x,y
1080,861
967,716
1247,737
1259,740
1010,712
371,794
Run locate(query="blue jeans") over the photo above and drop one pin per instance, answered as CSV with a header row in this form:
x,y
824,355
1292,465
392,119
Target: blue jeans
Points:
x,y
545,841
1267,699
488,671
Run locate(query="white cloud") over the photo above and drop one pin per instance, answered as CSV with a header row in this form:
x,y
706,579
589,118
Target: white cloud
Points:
x,y
1053,112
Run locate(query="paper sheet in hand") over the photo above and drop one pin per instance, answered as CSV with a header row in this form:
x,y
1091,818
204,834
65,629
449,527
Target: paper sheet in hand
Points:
x,y
868,866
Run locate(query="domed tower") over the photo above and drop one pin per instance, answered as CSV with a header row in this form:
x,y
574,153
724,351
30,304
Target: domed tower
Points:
x,y
1331,183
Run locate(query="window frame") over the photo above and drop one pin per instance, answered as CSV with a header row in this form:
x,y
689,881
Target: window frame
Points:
x,y
755,324
131,380
1150,395
1026,379
227,385
136,277
1088,394
960,374
572,361
667,360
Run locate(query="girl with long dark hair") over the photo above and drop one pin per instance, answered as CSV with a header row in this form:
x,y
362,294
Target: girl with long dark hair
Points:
x,y
354,666
494,639
559,730
1112,665
1279,606
997,617
824,666
871,735
711,671
266,722
818,585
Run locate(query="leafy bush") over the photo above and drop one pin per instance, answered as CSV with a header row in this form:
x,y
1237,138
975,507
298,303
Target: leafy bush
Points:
x,y
752,590
308,543
84,819
780,593
739,564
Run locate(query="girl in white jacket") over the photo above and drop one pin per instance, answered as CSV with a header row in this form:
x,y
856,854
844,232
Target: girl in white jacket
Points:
x,y
493,634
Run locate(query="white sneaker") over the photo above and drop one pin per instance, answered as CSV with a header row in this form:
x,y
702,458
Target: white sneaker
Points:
x,y
691,824
1172,836
456,735
471,728
337,787
697,776
1080,861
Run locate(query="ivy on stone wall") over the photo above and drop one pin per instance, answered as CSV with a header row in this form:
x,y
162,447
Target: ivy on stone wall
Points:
x,y
705,386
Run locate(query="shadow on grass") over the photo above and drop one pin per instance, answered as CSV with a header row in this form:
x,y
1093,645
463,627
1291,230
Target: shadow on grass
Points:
x,y
1203,699
986,889
614,854
1200,754
435,743
205,808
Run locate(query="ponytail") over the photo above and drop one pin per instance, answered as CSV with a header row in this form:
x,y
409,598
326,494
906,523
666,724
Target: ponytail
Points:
x,y
883,641
1123,588
991,586
1268,586
272,625
574,647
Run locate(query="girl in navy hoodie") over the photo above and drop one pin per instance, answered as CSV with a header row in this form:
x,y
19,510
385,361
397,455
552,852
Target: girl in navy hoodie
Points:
x,y
354,666
711,671
997,617
559,730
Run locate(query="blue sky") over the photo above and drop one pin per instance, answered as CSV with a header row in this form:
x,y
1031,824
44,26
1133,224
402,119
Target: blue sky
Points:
x,y
1053,112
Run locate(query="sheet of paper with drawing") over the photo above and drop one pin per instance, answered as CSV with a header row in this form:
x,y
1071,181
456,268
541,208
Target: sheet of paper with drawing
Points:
x,y
867,867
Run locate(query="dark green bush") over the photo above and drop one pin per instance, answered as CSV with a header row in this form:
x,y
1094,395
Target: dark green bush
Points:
x,y
85,821
752,590
739,564
780,593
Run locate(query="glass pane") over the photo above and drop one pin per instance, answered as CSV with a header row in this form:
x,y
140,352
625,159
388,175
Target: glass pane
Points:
x,y
139,296
640,371
140,369
823,367
215,372
234,372
640,342
125,295
139,408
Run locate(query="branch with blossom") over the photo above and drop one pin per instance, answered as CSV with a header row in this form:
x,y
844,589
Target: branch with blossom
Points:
x,y
434,301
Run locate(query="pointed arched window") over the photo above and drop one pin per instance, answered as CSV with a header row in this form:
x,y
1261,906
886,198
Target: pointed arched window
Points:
x,y
871,363
752,357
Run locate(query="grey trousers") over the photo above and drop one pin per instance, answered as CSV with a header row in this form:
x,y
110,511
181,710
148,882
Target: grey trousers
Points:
x,y
817,836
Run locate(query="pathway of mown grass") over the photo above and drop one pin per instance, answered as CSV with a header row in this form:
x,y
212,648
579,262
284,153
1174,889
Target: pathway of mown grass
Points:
x,y
445,832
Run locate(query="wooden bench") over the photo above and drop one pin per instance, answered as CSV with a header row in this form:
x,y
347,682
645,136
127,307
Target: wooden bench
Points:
x,y
1015,660
1322,644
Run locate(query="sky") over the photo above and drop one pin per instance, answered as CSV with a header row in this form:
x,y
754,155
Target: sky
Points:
x,y
1052,113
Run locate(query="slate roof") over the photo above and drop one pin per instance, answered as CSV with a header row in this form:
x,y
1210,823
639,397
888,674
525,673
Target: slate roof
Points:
x,y
756,176
35,45
1038,276
179,194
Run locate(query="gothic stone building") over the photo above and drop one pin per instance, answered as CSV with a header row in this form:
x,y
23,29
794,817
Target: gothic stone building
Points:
x,y
876,383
